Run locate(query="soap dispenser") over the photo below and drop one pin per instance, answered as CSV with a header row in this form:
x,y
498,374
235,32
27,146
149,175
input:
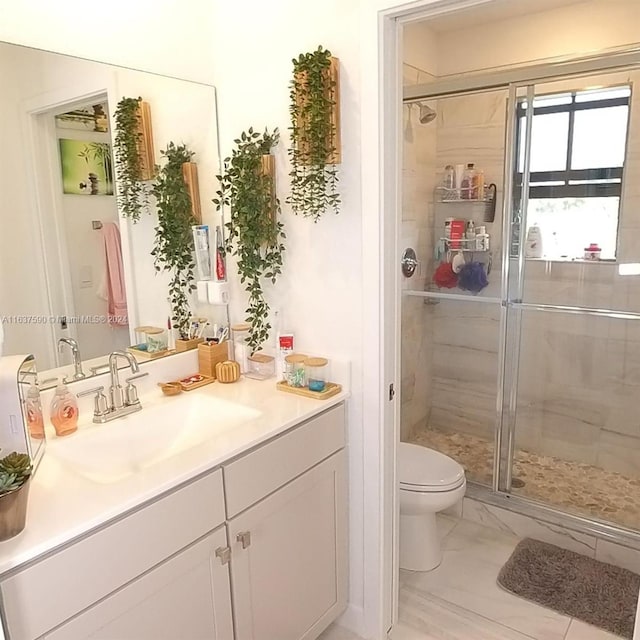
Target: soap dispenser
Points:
x,y
33,406
64,411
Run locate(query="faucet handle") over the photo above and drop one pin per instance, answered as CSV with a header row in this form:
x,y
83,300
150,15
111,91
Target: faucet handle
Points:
x,y
138,375
99,368
130,392
100,405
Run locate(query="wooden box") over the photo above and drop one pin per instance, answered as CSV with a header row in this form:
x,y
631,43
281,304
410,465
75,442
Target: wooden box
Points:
x,y
210,354
186,345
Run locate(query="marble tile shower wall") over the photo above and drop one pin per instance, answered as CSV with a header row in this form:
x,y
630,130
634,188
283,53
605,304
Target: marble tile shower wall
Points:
x,y
418,182
579,376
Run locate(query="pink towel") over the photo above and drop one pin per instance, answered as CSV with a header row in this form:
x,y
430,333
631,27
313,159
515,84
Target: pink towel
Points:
x,y
116,293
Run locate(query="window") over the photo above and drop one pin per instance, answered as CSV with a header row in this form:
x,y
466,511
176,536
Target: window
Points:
x,y
578,143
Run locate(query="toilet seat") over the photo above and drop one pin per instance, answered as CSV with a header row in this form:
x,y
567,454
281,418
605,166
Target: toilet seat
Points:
x,y
424,470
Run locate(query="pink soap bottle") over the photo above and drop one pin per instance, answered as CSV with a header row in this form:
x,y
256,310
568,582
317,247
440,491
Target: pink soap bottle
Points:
x,y
64,411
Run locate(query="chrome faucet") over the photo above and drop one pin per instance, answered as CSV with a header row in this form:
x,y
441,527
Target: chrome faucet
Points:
x,y
121,401
116,392
75,352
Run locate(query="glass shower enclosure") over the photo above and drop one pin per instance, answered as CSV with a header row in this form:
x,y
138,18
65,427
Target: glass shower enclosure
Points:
x,y
521,324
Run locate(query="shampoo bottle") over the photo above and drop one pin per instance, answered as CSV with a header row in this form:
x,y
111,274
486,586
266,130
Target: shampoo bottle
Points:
x,y
533,244
33,408
64,411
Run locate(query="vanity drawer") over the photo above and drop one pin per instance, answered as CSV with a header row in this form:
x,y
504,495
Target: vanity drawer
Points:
x,y
259,473
51,591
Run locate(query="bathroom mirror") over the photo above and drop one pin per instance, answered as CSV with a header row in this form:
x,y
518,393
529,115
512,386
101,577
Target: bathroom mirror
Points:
x,y
57,186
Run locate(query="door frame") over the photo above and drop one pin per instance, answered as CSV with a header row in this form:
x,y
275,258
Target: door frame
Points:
x,y
381,163
46,209
49,242
381,129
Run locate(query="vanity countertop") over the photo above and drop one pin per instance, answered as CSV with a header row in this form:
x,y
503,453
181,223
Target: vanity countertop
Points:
x,y
64,505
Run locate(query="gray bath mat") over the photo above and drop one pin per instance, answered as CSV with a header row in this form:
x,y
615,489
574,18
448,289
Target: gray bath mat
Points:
x,y
577,586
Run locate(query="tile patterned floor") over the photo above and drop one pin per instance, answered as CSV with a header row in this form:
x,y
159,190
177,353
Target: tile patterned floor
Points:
x,y
460,600
578,488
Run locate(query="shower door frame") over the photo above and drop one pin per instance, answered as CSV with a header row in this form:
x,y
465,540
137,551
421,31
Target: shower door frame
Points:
x,y
499,493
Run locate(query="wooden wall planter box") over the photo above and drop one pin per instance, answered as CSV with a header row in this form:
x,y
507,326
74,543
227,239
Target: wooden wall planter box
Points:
x,y
190,177
268,168
146,151
334,75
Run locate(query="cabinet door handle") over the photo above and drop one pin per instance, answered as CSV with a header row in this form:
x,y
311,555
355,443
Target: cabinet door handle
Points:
x,y
244,537
224,553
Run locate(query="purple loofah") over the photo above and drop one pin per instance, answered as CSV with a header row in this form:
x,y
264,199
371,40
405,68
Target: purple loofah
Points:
x,y
472,277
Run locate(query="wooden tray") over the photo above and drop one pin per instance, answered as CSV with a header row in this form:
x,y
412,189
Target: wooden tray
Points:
x,y
196,385
331,389
139,353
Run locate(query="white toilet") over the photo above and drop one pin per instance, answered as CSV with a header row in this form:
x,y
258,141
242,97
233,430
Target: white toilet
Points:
x,y
429,482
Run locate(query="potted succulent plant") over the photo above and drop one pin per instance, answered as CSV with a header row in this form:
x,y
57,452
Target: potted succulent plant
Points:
x,y
247,187
15,473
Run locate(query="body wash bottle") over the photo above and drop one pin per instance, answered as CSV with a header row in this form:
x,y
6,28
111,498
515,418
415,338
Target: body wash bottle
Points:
x,y
64,411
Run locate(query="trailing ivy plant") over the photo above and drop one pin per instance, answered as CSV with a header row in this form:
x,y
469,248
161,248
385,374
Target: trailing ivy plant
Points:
x,y
173,248
133,193
314,177
254,232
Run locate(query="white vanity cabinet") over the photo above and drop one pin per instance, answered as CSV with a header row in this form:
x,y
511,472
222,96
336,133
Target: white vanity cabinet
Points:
x,y
267,531
186,597
121,562
286,510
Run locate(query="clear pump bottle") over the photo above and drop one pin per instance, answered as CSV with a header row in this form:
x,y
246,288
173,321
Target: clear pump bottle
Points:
x,y
33,407
64,411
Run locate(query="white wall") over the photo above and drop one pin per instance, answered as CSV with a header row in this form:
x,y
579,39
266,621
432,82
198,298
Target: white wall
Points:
x,y
319,294
420,48
21,288
577,29
164,36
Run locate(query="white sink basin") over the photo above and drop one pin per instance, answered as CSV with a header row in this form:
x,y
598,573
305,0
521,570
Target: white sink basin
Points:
x,y
112,451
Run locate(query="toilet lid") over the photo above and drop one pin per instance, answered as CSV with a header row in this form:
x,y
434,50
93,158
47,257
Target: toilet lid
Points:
x,y
422,467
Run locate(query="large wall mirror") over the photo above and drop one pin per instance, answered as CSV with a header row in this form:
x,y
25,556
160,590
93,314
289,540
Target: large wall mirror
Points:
x,y
57,186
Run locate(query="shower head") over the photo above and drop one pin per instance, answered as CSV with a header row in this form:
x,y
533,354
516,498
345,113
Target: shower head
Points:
x,y
427,114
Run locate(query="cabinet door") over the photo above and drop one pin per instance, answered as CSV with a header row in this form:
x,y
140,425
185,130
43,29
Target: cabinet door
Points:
x,y
289,559
186,597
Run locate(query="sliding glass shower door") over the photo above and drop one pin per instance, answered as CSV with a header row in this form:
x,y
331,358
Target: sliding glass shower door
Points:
x,y
521,359
569,433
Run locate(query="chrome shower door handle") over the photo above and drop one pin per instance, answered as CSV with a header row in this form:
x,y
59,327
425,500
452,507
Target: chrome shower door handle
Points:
x,y
409,262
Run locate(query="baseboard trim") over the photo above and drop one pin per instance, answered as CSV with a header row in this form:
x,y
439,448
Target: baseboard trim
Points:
x,y
353,620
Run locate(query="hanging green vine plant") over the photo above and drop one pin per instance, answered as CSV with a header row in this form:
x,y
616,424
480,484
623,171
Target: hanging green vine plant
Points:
x,y
173,248
314,151
247,187
133,193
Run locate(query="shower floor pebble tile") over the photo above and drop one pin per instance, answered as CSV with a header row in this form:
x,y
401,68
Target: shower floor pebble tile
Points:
x,y
577,487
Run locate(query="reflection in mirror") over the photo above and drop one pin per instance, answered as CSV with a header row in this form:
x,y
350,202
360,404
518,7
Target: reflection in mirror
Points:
x,y
27,434
76,278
